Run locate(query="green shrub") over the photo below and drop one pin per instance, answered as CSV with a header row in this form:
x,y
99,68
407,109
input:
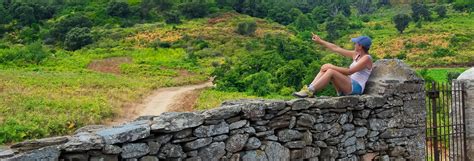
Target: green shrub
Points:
x,y
60,29
303,23
25,15
378,27
320,14
442,52
77,37
260,84
452,75
365,18
31,54
420,11
464,5
194,9
401,21
172,18
335,26
246,28
441,10
119,9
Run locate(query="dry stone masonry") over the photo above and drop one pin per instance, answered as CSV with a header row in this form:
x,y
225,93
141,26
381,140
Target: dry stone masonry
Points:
x,y
388,121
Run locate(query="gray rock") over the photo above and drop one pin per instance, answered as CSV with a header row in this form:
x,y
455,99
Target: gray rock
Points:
x,y
398,133
90,128
211,130
397,151
171,151
247,130
275,151
236,142
254,155
220,138
374,101
237,124
126,133
335,130
176,121
343,119
389,69
111,149
289,135
192,153
299,104
39,143
76,157
271,138
348,127
350,141
321,144
308,137
329,153
310,152
306,120
360,144
296,154
223,112
194,159
188,139
183,133
83,142
43,154
361,132
196,144
295,144
6,153
264,133
253,110
212,152
385,158
467,75
292,122
134,150
377,124
253,143
149,158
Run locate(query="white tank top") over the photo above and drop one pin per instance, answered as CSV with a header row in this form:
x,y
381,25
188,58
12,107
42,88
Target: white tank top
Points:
x,y
362,76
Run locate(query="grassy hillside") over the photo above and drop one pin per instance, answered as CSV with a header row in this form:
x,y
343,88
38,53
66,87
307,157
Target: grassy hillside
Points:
x,y
51,86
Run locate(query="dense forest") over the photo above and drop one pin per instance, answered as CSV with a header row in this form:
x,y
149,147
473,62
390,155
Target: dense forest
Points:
x,y
253,48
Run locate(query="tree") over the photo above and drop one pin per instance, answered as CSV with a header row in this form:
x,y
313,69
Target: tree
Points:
x,y
119,9
194,9
290,75
364,6
77,37
320,14
420,11
401,21
303,22
383,3
5,16
25,15
61,28
441,11
340,6
339,23
172,18
247,28
260,84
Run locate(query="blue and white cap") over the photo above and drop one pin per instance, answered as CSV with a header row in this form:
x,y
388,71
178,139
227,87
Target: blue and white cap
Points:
x,y
363,41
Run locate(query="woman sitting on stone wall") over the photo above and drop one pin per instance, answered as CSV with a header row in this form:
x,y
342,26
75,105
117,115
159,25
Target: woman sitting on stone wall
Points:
x,y
347,81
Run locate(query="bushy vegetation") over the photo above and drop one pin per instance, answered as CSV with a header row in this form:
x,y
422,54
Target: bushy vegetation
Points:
x,y
253,48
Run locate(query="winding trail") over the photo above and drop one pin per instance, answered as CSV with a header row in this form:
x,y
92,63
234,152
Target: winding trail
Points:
x,y
161,100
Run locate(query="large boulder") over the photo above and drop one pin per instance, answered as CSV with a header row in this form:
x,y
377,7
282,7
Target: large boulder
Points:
x,y
389,71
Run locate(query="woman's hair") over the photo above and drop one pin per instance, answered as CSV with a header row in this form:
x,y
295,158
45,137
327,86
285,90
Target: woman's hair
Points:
x,y
365,49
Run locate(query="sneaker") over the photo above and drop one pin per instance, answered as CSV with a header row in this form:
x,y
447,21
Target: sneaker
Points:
x,y
304,92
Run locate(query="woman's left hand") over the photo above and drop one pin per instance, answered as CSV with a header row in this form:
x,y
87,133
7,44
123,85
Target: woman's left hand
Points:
x,y
325,67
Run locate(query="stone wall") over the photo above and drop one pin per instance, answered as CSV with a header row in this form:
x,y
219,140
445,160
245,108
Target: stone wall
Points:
x,y
389,121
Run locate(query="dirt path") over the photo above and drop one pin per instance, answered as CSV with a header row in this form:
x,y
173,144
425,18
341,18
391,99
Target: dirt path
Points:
x,y
163,100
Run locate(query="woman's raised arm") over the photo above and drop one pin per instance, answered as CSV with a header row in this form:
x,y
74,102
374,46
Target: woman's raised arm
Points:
x,y
333,47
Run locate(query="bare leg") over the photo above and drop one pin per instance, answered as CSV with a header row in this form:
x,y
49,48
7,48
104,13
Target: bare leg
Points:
x,y
341,82
321,73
